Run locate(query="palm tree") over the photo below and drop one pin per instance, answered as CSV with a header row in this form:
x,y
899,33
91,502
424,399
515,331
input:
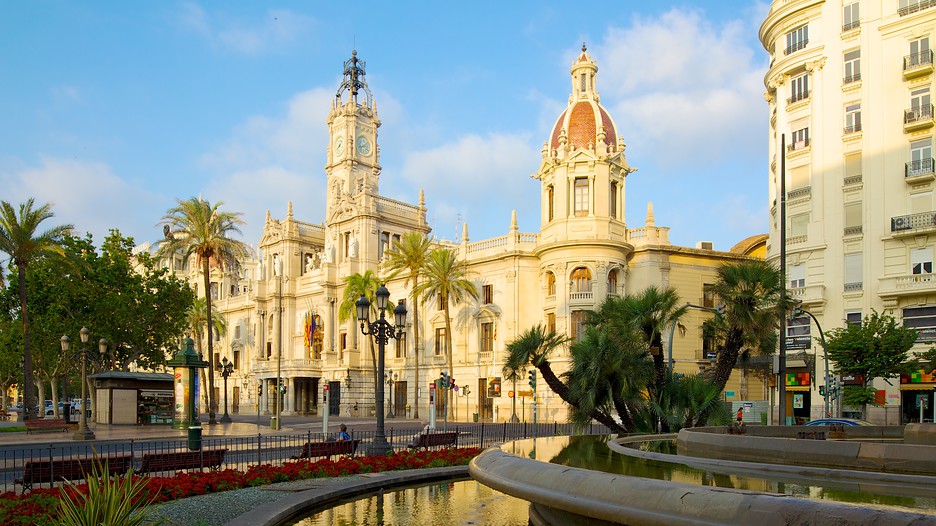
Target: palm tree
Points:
x,y
356,285
410,254
446,277
533,347
20,240
197,320
752,292
196,227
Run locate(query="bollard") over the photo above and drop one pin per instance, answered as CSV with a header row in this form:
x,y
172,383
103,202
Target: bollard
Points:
x,y
194,437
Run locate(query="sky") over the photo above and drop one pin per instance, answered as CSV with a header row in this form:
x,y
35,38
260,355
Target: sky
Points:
x,y
113,110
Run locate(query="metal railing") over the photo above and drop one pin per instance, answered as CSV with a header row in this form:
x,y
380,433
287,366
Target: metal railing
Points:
x,y
913,7
851,78
919,167
916,60
247,451
798,145
913,221
850,25
798,96
796,46
854,128
918,113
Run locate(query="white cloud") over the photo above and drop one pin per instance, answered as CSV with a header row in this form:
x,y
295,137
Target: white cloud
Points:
x,y
86,194
277,28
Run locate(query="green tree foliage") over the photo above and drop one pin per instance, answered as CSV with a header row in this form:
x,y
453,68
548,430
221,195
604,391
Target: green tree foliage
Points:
x,y
195,227
409,254
356,285
197,321
21,239
878,348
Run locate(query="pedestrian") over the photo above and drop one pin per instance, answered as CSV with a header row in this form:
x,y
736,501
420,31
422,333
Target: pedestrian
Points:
x,y
343,433
740,416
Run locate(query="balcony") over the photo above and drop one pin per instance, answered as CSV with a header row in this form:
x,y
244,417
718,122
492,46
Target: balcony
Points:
x,y
918,118
915,6
853,230
798,145
919,171
797,193
803,95
854,128
918,64
913,224
581,297
848,79
809,295
850,25
796,46
854,287
852,180
908,285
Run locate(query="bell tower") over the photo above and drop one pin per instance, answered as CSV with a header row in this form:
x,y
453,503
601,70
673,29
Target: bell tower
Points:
x,y
353,165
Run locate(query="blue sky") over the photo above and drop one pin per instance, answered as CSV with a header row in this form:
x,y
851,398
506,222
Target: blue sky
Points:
x,y
112,110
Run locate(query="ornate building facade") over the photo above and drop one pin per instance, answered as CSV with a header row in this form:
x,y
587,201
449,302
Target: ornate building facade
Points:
x,y
848,87
283,310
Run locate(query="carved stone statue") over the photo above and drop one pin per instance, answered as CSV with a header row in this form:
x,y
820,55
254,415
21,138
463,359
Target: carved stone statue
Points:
x,y
352,247
329,256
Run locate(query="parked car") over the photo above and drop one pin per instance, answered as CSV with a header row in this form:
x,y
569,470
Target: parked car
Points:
x,y
843,421
50,409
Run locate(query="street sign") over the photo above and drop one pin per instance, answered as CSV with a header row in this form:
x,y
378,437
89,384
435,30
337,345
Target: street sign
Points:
x,y
510,394
729,394
525,393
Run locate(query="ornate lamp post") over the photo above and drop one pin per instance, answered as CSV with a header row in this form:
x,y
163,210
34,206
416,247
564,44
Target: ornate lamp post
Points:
x,y
225,369
382,331
391,376
83,432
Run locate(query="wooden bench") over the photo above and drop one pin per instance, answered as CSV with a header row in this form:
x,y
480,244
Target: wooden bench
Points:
x,y
175,461
45,424
425,441
39,471
327,449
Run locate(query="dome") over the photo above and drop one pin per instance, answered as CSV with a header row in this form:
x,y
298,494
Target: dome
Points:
x,y
581,123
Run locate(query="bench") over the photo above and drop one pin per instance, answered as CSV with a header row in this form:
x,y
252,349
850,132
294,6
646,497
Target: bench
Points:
x,y
45,424
428,440
206,458
327,449
39,471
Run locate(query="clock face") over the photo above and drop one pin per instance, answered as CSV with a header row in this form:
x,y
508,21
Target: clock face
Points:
x,y
363,145
339,145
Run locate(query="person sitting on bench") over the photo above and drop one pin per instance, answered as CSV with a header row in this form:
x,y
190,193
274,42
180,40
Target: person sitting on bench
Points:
x,y
343,433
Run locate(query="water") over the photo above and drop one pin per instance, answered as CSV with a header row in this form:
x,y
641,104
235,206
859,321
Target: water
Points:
x,y
462,502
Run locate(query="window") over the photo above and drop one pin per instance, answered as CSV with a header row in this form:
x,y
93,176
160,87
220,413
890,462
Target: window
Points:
x,y
582,88
343,341
797,39
921,261
612,205
613,281
853,166
269,350
853,277
799,178
800,139
487,292
923,319
578,324
798,225
384,244
214,290
853,222
852,66
905,7
920,106
853,318
440,302
217,361
797,275
708,295
850,16
401,346
236,362
797,333
237,331
920,54
440,342
550,284
853,118
550,196
799,88
551,322
921,157
487,337
581,280
581,197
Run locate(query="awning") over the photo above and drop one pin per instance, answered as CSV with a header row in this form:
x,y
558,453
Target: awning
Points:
x,y
917,387
797,388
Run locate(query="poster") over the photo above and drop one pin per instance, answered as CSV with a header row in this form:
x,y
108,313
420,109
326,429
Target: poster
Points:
x,y
797,401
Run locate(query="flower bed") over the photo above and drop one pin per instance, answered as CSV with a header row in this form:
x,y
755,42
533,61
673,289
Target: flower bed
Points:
x,y
40,506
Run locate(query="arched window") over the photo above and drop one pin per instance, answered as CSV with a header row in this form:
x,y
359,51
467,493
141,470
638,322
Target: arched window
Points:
x,y
551,196
613,282
550,284
581,280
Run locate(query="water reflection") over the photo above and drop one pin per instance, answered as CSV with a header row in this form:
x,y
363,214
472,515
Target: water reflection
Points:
x,y
592,452
464,502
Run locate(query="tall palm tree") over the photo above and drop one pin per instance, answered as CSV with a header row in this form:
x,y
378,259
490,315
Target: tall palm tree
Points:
x,y
410,254
446,277
195,227
356,285
21,241
197,320
752,294
533,347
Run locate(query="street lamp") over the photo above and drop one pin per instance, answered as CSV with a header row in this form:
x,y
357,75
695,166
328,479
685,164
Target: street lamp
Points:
x,y
225,369
382,331
83,432
391,377
796,313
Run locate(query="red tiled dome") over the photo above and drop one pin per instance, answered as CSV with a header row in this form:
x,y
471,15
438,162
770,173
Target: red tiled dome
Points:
x,y
582,125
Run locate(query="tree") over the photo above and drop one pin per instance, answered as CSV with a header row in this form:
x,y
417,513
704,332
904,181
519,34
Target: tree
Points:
x,y
446,277
195,227
197,320
20,239
533,347
356,285
878,348
410,254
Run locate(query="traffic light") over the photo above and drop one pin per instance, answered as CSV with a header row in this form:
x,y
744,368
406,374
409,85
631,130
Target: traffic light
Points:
x,y
822,390
260,390
452,383
443,379
533,378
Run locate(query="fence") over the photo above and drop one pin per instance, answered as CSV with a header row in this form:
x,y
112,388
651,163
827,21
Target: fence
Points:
x,y
246,451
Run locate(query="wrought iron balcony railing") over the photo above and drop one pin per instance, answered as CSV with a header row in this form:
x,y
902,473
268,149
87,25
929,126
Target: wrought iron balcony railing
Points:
x,y
796,46
916,60
919,167
919,113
